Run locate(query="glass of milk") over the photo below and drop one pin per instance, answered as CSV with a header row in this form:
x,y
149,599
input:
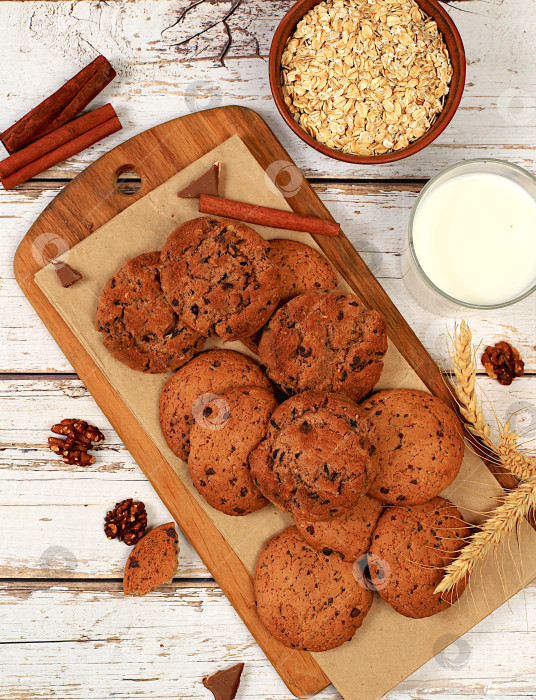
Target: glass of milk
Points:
x,y
472,238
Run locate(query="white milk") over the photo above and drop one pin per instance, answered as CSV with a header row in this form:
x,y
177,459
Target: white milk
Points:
x,y
475,238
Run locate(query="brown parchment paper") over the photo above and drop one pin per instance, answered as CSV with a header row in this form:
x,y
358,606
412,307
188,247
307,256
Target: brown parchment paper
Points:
x,y
388,647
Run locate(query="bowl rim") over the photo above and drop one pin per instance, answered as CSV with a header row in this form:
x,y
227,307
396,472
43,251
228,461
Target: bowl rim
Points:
x,y
455,47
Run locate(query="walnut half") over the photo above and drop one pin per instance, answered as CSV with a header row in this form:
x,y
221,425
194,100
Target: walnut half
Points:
x,y
503,362
127,521
79,438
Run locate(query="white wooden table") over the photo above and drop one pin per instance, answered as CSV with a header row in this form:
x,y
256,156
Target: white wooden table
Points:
x,y
66,631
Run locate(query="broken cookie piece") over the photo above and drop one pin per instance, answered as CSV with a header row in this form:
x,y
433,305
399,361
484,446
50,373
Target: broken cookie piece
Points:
x,y
153,561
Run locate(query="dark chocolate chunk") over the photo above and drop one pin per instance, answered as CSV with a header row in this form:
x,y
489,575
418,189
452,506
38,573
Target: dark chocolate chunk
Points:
x,y
66,274
207,183
224,684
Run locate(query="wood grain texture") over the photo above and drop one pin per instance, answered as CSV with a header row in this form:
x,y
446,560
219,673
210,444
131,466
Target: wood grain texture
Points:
x,y
85,205
158,80
374,217
55,511
91,200
161,646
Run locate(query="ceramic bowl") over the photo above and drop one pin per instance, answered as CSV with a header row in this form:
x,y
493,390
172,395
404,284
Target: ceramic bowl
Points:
x,y
457,56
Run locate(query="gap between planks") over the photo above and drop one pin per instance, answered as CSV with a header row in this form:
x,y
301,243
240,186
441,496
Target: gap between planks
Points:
x,y
37,185
102,584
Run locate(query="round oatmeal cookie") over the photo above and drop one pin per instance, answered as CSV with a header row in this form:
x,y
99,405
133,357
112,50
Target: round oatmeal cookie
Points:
x,y
420,445
349,534
185,396
217,275
301,269
410,549
325,342
305,599
316,459
139,327
218,461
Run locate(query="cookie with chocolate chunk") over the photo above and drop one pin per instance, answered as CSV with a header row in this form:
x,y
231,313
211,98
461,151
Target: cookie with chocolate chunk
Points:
x,y
218,277
139,326
219,451
186,395
305,599
153,561
420,445
349,534
315,462
301,269
325,342
410,549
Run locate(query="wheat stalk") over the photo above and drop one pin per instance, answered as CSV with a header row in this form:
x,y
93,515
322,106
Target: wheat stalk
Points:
x,y
505,518
517,504
463,362
517,462
463,358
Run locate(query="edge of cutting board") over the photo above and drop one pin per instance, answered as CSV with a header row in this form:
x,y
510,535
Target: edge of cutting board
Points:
x,y
91,200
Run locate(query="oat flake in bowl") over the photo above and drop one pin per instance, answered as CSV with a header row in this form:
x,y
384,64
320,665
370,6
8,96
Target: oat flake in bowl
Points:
x,y
366,77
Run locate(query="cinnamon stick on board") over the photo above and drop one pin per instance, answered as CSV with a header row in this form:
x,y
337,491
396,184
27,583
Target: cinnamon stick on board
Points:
x,y
61,107
55,139
58,155
266,216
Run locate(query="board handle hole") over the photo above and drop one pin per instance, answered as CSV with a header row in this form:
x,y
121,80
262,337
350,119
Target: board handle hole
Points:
x,y
127,181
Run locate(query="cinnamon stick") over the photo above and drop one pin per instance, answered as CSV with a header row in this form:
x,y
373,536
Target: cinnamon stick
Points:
x,y
58,155
61,107
266,216
55,139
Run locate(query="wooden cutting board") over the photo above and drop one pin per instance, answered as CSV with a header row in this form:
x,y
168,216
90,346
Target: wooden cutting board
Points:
x,y
90,201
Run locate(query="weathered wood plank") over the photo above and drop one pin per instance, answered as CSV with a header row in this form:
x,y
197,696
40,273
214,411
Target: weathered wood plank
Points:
x,y
373,215
162,645
54,512
54,526
158,80
109,646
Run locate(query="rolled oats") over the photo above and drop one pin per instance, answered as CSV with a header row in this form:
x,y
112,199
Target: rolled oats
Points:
x,y
366,76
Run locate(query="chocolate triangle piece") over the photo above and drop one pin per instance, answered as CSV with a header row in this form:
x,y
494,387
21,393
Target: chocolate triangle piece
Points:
x,y
66,274
224,684
207,183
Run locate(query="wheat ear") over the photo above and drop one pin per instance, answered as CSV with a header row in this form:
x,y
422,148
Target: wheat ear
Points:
x,y
464,367
512,458
517,504
505,518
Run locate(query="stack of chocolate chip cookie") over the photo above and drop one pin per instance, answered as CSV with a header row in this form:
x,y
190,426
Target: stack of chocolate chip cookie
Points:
x,y
395,538
360,480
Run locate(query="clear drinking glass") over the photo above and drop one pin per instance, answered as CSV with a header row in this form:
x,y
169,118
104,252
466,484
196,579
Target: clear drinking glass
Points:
x,y
420,286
